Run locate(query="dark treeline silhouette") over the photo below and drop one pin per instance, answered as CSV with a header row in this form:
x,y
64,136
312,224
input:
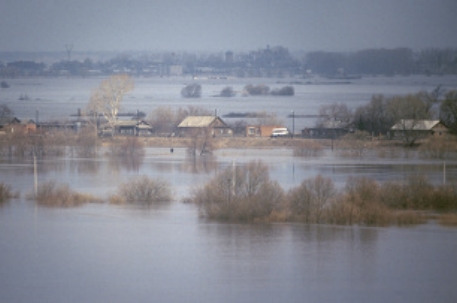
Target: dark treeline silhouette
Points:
x,y
267,62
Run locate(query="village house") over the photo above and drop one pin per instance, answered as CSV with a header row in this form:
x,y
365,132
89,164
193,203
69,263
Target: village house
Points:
x,y
12,124
210,124
331,128
418,128
133,128
7,124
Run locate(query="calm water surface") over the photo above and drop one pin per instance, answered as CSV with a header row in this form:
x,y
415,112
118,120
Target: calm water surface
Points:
x,y
168,253
100,253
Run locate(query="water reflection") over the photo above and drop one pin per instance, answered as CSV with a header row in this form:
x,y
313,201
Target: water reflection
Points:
x,y
118,164
196,165
85,166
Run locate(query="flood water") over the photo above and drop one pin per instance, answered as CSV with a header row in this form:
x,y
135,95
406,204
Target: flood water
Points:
x,y
169,253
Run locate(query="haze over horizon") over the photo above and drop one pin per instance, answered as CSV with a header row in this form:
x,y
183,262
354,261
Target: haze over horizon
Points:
x,y
238,25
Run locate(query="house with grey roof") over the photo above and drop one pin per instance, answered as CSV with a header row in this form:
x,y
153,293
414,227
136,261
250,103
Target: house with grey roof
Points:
x,y
212,125
410,130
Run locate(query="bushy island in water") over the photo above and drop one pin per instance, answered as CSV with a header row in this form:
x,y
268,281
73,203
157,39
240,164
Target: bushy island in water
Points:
x,y
247,194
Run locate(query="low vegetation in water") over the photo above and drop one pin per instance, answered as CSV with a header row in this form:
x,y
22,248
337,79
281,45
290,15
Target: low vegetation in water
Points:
x,y
308,148
247,194
6,193
142,190
53,194
239,194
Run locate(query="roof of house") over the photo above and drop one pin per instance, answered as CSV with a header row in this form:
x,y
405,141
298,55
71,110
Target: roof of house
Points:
x,y
411,124
198,121
9,120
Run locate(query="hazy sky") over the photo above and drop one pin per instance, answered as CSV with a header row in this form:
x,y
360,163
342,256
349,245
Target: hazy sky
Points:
x,y
332,25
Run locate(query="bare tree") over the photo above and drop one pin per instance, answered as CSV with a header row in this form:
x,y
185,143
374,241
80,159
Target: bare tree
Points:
x,y
5,111
449,110
107,97
373,117
408,111
334,111
264,118
201,142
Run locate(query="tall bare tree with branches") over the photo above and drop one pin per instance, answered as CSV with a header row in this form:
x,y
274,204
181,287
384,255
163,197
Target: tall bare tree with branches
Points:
x,y
107,97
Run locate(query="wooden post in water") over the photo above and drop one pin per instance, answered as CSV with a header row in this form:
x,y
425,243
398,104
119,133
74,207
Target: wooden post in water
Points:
x,y
444,172
35,176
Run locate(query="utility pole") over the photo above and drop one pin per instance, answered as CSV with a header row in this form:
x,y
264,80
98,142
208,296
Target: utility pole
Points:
x,y
293,123
35,176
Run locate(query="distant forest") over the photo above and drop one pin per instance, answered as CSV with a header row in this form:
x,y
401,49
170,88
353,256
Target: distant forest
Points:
x,y
268,62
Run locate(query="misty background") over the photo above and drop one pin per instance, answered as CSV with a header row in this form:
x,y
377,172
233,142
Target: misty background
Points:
x,y
237,25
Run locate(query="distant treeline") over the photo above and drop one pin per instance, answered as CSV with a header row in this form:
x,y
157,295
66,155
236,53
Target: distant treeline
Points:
x,y
268,62
384,62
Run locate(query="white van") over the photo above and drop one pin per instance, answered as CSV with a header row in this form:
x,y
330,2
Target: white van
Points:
x,y
280,132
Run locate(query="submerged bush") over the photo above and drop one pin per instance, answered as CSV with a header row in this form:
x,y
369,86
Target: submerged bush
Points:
x,y
127,147
60,195
284,91
308,148
360,204
309,201
6,193
243,193
256,90
143,190
448,219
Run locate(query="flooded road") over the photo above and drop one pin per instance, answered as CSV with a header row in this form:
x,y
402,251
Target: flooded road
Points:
x,y
168,253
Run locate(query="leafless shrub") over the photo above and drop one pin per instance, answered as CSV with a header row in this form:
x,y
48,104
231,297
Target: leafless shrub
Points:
x,y
200,142
409,217
143,190
308,148
438,147
256,90
86,143
60,195
284,91
444,198
6,193
360,204
448,219
243,193
56,141
353,144
309,201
